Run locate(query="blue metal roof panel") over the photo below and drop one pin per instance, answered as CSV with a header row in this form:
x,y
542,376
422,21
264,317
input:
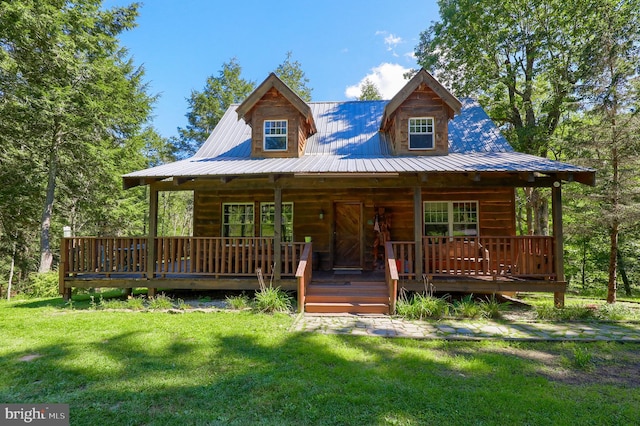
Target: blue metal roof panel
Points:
x,y
348,141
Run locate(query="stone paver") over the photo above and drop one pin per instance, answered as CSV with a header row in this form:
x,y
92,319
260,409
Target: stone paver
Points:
x,y
385,326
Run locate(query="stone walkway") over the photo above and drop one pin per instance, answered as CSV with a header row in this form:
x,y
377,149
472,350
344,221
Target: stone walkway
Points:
x,y
452,329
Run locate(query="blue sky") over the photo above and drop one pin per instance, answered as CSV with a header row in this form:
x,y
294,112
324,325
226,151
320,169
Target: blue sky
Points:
x,y
338,43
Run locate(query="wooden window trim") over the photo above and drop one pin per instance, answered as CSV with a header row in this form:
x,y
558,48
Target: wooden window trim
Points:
x,y
451,222
226,225
287,237
265,135
427,124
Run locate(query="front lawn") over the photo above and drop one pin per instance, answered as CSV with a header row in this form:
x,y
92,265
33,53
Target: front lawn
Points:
x,y
229,367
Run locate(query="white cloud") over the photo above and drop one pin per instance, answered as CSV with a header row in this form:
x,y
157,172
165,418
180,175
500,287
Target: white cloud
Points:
x,y
392,41
387,77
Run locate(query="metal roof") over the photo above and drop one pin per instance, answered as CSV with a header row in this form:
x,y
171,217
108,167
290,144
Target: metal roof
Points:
x,y
348,141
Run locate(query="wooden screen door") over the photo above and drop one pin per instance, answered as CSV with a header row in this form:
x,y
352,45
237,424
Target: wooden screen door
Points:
x,y
348,235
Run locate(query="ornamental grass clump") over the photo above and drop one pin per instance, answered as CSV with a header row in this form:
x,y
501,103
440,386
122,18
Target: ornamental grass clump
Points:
x,y
467,307
160,302
271,300
420,306
238,302
492,308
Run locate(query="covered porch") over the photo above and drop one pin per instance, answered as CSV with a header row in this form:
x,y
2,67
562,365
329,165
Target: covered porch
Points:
x,y
445,264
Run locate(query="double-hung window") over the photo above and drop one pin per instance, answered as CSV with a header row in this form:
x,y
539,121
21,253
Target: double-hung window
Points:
x,y
421,134
237,220
267,220
275,135
451,218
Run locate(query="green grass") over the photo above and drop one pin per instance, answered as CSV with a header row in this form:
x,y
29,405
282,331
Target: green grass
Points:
x,y
240,367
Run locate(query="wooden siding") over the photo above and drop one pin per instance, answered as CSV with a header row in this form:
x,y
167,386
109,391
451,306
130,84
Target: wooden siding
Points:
x,y
423,102
496,212
274,106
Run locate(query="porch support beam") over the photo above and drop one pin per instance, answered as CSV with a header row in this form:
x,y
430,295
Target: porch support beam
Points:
x,y
277,234
556,211
153,232
417,229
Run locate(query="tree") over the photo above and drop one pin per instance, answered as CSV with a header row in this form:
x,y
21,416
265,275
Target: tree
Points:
x,y
523,59
369,91
207,107
292,75
609,133
70,97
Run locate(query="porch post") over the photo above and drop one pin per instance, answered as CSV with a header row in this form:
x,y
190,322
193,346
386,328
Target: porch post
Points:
x,y
556,211
151,238
277,234
417,229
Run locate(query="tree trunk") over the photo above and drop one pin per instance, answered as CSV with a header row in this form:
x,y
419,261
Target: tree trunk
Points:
x,y
11,270
613,270
583,267
540,209
623,274
46,257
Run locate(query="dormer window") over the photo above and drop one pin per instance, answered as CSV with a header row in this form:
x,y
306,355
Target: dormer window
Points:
x,y
421,133
275,135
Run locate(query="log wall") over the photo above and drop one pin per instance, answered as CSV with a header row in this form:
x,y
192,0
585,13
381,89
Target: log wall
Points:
x,y
496,212
274,106
423,102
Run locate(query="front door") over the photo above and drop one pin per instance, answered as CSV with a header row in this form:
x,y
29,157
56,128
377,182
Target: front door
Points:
x,y
348,235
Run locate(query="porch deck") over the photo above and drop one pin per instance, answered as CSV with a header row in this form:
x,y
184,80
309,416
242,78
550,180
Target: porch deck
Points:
x,y
441,264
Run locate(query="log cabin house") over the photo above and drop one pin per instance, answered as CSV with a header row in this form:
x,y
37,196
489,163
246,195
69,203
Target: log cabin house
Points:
x,y
344,203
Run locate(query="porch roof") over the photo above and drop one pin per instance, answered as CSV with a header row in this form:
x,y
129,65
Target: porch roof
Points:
x,y
348,141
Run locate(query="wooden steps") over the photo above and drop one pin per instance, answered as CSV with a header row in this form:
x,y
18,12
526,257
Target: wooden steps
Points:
x,y
354,297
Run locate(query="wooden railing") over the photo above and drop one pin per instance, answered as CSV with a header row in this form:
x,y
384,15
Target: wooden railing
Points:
x,y
391,276
304,273
175,255
517,256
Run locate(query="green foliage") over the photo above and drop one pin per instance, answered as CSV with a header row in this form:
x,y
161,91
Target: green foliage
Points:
x,y
112,304
291,74
419,306
584,312
135,303
467,307
161,301
238,301
72,105
583,358
491,307
41,285
207,106
272,300
369,91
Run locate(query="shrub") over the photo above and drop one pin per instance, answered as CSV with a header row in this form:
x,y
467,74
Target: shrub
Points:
x,y
420,306
42,285
238,302
270,300
160,302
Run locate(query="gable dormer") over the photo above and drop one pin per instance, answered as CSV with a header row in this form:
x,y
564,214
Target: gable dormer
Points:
x,y
280,120
417,118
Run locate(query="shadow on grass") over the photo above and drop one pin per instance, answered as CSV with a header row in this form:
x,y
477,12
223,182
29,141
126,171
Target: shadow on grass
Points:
x,y
157,369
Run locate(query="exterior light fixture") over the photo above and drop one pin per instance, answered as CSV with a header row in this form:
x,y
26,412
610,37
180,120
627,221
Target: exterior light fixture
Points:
x,y
321,215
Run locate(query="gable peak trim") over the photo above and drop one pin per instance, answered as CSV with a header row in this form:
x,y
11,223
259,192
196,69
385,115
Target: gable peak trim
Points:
x,y
272,81
421,77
